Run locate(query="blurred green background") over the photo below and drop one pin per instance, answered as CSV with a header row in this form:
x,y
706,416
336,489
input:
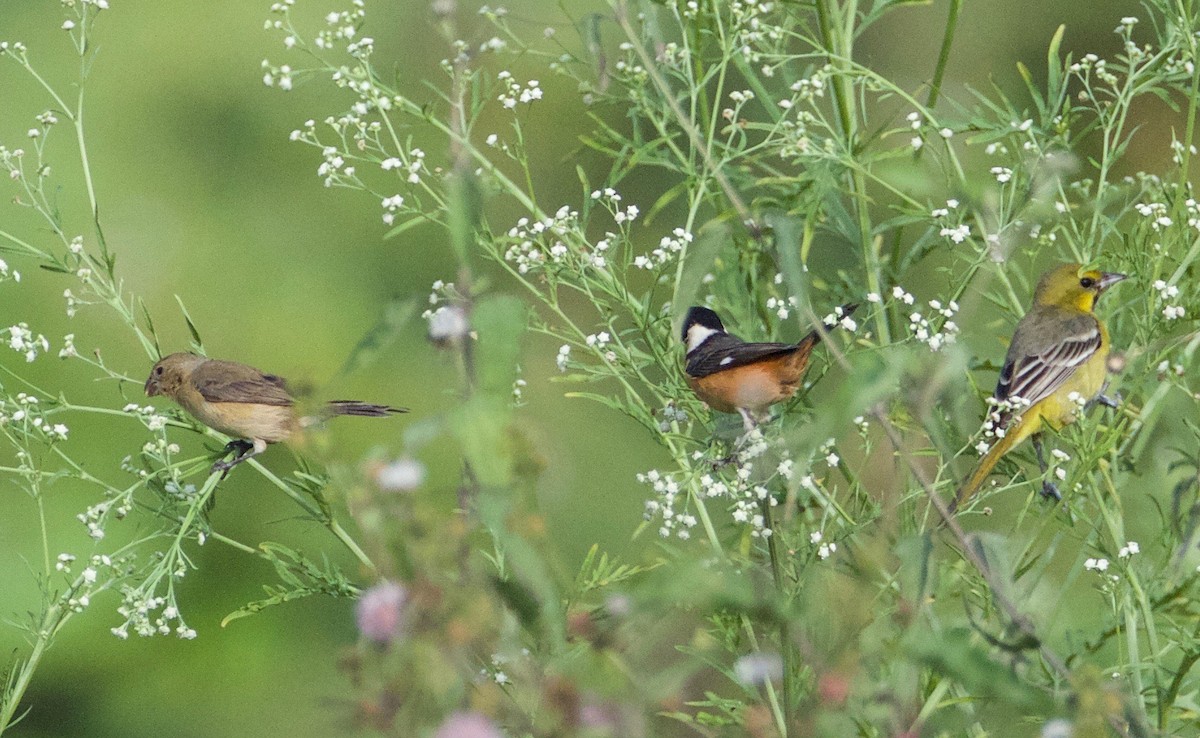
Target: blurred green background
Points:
x,y
202,196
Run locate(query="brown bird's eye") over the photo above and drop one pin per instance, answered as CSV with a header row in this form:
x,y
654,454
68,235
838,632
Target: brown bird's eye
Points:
x,y
1087,283
158,371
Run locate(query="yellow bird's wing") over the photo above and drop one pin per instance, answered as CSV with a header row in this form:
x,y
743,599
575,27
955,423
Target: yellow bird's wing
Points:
x,y
1048,347
229,381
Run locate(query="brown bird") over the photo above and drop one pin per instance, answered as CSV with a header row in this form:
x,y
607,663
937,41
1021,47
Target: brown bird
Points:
x,y
735,376
240,401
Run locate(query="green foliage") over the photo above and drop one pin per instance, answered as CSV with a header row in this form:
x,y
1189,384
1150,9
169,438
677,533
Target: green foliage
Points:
x,y
806,577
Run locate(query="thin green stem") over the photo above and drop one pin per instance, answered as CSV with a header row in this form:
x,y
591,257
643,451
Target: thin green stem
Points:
x,y
939,72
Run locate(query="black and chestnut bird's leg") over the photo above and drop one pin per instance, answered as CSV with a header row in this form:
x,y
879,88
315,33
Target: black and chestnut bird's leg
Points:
x,y
749,422
1049,489
242,449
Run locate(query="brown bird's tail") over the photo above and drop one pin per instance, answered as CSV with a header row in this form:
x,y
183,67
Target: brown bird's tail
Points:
x,y
360,409
998,449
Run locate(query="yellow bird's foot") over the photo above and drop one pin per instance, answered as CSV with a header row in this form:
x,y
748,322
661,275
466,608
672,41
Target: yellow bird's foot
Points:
x,y
1106,401
1050,491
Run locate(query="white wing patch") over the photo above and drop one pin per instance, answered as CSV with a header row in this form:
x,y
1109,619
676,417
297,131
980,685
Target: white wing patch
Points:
x,y
727,360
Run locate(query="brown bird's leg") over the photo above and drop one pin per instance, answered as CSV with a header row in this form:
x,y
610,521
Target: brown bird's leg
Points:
x,y
1049,489
244,450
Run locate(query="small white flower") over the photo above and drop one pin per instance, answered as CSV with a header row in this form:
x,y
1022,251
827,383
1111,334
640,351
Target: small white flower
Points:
x,y
402,475
447,323
1130,548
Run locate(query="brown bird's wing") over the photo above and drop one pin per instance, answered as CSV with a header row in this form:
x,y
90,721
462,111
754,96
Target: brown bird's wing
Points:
x,y
1048,346
229,381
726,351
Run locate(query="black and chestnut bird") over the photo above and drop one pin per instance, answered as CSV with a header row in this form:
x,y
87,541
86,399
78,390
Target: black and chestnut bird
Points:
x,y
240,401
736,376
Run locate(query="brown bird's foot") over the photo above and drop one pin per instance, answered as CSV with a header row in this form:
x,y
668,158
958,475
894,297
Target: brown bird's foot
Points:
x,y
1050,491
243,450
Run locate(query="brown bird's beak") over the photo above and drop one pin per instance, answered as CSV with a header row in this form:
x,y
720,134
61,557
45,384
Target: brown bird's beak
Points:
x,y
1108,279
151,386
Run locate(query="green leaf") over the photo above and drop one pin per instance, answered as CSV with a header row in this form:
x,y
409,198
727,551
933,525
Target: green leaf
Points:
x,y
406,225
957,654
529,589
499,322
1053,63
396,314
696,263
483,427
197,342
464,207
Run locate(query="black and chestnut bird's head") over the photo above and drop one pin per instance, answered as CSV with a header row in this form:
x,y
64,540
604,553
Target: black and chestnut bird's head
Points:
x,y
699,325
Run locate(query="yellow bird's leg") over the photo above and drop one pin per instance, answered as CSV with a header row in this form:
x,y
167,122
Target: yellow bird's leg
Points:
x,y
1103,399
1049,489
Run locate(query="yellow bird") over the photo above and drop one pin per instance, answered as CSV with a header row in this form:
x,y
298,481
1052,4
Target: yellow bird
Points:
x,y
1057,359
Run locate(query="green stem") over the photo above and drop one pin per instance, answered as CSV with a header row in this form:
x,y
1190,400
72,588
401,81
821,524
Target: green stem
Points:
x,y
939,72
785,624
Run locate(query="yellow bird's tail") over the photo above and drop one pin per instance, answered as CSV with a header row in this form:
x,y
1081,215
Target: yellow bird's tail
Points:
x,y
1001,447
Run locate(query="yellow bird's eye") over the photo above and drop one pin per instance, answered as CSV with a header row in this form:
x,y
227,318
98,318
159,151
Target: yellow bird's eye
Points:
x,y
1087,283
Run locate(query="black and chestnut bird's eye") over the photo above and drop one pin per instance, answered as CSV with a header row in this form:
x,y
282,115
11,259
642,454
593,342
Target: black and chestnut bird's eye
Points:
x,y
1087,283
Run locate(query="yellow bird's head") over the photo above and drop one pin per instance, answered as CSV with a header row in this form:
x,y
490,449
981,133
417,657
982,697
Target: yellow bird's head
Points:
x,y
171,372
1070,285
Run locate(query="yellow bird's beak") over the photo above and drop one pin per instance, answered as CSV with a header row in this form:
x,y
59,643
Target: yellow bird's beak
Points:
x,y
1108,279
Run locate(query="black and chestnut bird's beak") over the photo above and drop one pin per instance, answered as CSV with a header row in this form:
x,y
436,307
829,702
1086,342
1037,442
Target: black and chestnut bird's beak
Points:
x,y
1108,279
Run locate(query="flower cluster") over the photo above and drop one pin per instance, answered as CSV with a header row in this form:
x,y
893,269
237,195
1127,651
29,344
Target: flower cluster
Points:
x,y
668,249
671,414
611,200
994,425
1168,292
840,317
825,549
1156,213
937,338
553,242
138,609
1097,565
952,229
23,341
514,92
448,321
30,416
747,484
